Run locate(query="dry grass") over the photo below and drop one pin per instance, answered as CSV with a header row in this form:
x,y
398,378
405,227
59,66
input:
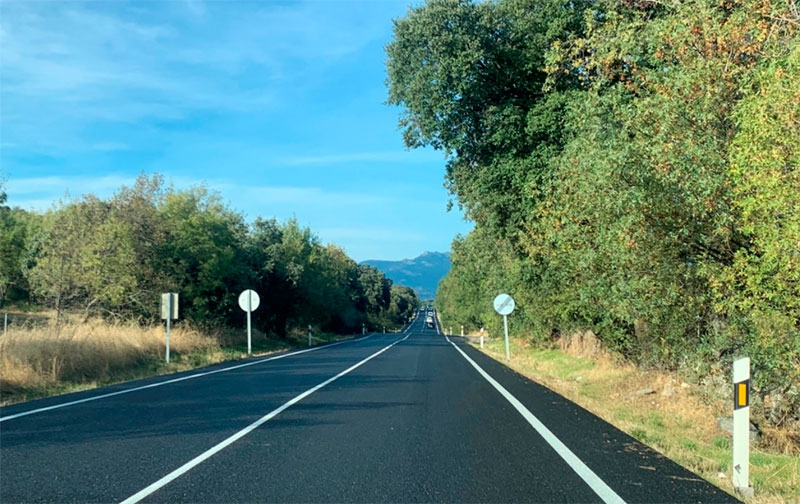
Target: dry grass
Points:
x,y
37,357
659,409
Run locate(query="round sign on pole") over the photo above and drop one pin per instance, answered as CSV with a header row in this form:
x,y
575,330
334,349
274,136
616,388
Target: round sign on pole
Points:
x,y
249,300
504,304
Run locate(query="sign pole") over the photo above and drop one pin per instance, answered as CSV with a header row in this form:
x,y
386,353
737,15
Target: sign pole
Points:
x,y
505,327
741,427
249,330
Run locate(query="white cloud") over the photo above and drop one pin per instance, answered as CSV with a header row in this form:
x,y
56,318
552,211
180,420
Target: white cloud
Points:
x,y
40,193
74,185
70,65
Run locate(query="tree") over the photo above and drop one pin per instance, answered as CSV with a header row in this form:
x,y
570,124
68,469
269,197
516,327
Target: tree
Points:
x,y
376,294
203,254
404,304
83,258
137,209
13,243
470,78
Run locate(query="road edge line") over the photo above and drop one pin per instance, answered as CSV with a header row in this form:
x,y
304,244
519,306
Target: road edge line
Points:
x,y
175,380
598,486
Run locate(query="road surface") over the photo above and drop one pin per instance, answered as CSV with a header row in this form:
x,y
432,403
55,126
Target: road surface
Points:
x,y
403,417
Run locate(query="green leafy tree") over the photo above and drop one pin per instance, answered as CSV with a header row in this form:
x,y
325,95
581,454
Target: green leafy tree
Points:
x,y
203,256
137,210
761,288
376,295
83,258
470,78
404,304
13,246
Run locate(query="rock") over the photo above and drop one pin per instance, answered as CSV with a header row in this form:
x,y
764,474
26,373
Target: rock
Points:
x,y
668,390
645,391
726,424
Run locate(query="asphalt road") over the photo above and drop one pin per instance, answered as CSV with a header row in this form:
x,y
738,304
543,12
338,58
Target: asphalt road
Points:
x,y
411,417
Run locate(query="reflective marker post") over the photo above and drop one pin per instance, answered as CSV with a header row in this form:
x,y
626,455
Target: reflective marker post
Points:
x,y
741,426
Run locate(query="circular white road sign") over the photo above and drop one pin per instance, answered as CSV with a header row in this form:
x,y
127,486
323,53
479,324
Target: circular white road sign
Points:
x,y
248,300
504,304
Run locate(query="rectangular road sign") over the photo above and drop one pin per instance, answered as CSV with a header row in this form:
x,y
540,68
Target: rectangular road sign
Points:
x,y
168,304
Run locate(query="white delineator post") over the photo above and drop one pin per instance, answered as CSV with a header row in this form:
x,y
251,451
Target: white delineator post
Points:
x,y
741,426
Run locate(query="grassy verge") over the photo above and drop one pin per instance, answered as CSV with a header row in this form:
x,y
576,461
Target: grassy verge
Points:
x,y
662,411
39,360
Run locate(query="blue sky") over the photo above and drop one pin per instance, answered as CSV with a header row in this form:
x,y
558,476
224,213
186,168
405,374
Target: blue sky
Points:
x,y
277,105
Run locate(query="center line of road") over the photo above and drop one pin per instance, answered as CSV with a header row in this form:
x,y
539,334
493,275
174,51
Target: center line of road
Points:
x,y
138,496
599,486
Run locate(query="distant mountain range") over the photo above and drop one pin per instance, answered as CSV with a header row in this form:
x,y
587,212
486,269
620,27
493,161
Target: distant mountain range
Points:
x,y
421,274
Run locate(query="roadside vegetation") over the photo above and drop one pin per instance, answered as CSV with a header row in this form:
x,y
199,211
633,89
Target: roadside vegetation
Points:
x,y
661,410
39,359
83,284
632,169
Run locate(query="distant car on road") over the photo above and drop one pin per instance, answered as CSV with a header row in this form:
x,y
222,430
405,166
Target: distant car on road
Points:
x,y
429,320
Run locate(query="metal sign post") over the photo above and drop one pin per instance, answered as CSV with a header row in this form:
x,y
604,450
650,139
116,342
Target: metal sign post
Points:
x,y
504,305
741,426
249,301
169,311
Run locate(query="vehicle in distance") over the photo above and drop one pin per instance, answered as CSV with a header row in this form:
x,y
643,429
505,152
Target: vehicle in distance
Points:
x,y
429,320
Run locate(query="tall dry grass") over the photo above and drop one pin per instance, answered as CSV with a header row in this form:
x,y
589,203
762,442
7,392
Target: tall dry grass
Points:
x,y
37,355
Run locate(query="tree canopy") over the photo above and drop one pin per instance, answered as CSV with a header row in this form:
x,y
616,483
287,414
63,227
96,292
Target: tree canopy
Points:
x,y
631,169
113,258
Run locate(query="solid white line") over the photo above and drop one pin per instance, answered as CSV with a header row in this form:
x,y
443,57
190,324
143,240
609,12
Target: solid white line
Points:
x,y
174,380
138,496
593,480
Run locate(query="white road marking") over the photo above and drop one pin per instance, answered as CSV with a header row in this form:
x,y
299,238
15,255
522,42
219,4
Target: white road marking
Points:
x,y
174,380
138,496
593,480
